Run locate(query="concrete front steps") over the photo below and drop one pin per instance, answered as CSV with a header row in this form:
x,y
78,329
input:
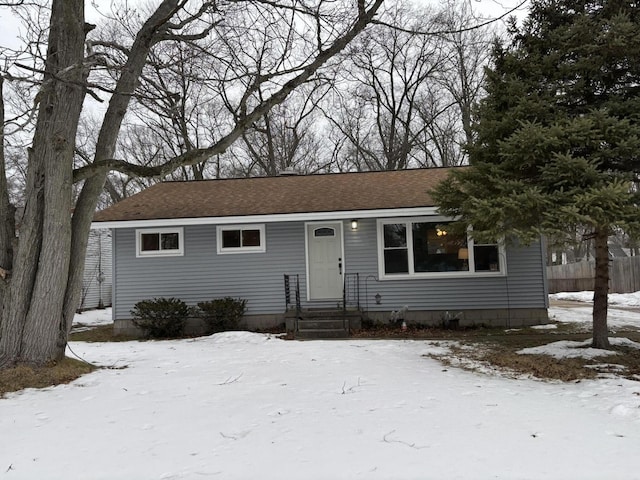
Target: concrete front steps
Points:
x,y
321,323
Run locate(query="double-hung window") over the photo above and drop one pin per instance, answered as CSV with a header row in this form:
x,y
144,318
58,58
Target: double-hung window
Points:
x,y
159,242
427,248
241,238
396,251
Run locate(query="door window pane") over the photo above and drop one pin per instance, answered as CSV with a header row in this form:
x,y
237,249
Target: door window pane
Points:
x,y
324,232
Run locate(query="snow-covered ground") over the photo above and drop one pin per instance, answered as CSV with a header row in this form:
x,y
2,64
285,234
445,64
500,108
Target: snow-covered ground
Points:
x,y
92,318
623,313
241,405
619,299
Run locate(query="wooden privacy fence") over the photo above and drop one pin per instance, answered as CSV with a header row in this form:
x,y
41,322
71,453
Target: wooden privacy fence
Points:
x,y
624,276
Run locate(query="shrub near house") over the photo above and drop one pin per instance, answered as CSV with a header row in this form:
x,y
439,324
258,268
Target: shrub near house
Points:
x,y
222,314
161,317
167,317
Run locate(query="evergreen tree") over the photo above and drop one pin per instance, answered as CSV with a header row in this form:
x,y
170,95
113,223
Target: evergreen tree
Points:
x,y
558,135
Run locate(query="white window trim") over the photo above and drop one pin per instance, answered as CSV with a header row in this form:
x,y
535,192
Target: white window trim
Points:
x,y
159,253
502,270
226,251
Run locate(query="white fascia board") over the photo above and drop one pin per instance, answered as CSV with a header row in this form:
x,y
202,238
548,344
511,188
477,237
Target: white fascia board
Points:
x,y
280,217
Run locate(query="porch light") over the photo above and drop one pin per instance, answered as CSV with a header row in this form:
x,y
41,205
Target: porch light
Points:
x,y
378,298
440,233
354,224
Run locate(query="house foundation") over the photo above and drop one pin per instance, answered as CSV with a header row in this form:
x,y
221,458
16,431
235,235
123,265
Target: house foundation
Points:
x,y
498,317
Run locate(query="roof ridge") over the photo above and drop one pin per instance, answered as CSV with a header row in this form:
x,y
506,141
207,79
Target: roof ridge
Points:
x,y
307,175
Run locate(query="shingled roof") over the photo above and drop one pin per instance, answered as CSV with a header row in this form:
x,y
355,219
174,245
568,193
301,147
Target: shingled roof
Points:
x,y
279,195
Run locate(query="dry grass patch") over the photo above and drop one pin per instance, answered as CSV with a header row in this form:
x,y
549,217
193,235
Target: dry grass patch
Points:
x,y
540,366
99,333
498,357
628,358
494,349
23,376
499,354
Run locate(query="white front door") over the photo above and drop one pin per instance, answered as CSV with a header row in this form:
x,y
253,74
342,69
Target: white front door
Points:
x,y
325,262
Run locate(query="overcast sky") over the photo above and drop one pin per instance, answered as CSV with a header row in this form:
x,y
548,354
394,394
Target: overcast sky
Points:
x,y
9,26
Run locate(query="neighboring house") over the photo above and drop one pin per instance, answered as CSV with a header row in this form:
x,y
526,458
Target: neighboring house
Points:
x,y
376,235
96,282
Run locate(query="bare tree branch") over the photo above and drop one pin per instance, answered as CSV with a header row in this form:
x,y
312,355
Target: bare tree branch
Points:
x,y
242,123
454,30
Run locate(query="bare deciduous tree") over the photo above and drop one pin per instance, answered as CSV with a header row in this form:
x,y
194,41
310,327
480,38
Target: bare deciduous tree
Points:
x,y
42,292
287,138
388,79
411,86
468,53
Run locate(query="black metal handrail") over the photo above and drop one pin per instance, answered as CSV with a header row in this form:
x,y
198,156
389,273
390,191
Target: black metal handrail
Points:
x,y
287,295
296,290
350,295
351,290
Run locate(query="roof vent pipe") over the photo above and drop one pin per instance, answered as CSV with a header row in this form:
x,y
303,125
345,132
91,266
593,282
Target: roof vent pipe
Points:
x,y
288,172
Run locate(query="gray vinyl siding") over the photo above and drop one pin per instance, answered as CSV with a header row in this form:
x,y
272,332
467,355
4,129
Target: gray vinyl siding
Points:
x,y
202,274
522,287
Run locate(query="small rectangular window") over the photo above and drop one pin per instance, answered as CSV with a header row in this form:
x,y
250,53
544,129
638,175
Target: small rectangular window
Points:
x,y
241,239
159,242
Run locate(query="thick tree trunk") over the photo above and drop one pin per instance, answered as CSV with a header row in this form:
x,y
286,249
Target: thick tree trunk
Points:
x,y
51,253
105,148
31,319
7,211
48,265
601,290
7,219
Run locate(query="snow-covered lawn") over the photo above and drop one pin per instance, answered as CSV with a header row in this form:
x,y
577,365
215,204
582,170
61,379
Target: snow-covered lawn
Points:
x,y
620,299
240,405
624,310
573,349
92,318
